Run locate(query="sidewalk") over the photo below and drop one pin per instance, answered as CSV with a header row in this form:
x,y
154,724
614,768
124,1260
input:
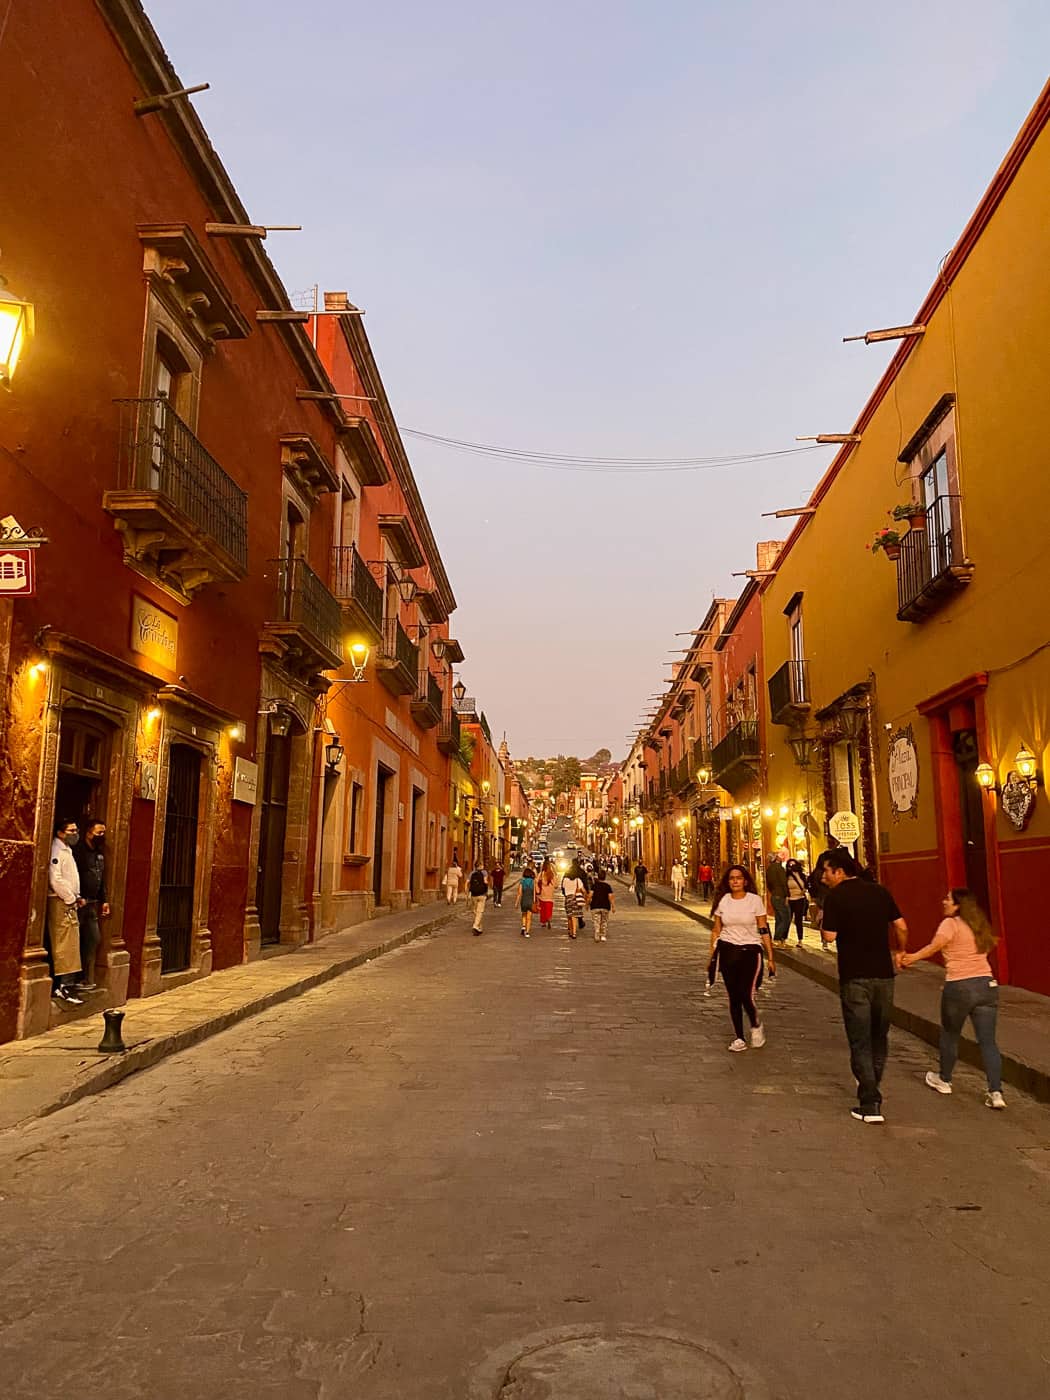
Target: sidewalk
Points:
x,y
46,1072
1023,1031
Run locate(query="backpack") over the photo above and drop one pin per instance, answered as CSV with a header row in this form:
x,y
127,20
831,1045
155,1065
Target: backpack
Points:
x,y
478,883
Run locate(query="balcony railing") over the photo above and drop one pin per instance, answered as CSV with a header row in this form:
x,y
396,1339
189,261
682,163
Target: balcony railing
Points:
x,y
398,661
789,696
305,604
931,566
356,589
426,707
450,734
467,706
160,453
740,746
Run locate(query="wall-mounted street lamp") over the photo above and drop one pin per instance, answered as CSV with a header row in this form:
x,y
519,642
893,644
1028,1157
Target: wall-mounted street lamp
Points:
x,y
802,748
459,691
238,732
851,717
985,775
333,757
1025,765
703,776
16,330
358,654
408,588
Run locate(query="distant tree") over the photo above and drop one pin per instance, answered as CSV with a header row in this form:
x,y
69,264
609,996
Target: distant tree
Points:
x,y
565,773
602,757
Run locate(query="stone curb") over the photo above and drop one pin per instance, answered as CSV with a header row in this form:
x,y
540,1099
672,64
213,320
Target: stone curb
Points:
x,y
139,1057
1032,1079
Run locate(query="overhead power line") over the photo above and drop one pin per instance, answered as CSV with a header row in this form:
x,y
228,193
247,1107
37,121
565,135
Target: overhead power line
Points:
x,y
564,461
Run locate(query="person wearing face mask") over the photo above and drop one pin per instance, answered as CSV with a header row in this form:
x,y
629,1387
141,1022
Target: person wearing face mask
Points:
x,y
63,903
90,857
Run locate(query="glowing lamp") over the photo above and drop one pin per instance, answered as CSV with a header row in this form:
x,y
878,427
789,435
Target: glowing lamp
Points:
x,y
985,775
237,732
1024,763
38,668
459,691
703,776
785,811
16,328
767,811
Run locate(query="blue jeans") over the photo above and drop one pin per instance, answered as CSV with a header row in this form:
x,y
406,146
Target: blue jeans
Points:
x,y
781,916
867,1004
978,999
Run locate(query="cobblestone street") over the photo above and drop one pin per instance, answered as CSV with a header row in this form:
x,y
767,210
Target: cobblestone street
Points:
x,y
371,1190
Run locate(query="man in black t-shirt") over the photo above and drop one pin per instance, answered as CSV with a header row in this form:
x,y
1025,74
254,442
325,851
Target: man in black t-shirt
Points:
x,y
603,903
858,918
641,874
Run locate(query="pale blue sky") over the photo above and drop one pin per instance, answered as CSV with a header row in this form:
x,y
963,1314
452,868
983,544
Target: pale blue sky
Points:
x,y
619,229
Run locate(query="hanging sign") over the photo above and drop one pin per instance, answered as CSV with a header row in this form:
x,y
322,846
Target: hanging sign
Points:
x,y
845,828
154,633
725,814
245,781
1018,797
17,571
904,774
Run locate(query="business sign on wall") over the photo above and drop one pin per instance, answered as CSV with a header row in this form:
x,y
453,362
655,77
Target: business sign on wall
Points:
x,y
154,633
245,781
17,572
845,827
903,772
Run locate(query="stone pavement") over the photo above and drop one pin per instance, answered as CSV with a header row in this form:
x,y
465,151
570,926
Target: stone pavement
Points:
x,y
1023,1030
486,1167
47,1072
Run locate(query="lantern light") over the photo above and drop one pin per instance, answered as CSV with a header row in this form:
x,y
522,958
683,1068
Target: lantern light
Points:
x,y
1024,763
359,652
38,668
785,810
767,811
237,732
16,328
334,753
703,776
459,691
985,775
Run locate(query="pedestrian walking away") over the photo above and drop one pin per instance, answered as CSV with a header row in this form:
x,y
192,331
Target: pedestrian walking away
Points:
x,y
705,875
777,889
90,857
63,906
738,938
818,891
478,889
678,881
965,938
798,894
603,906
641,874
574,892
859,917
546,884
525,899
453,876
584,869
497,875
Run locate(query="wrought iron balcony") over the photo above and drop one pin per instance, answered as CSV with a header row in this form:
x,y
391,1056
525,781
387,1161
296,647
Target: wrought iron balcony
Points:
x,y
736,752
467,708
306,632
931,567
398,660
426,707
789,694
450,734
183,519
359,594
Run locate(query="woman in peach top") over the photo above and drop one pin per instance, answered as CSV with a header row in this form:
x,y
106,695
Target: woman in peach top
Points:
x,y
545,887
965,937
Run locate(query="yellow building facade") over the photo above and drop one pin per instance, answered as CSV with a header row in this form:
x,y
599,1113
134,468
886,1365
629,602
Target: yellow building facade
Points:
x,y
917,689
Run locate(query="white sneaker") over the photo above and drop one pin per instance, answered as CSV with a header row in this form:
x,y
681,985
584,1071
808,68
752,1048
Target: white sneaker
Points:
x,y
993,1099
738,1045
936,1082
758,1037
603,939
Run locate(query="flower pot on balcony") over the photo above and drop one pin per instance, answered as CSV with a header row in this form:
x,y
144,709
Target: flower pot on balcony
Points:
x,y
888,540
891,551
917,521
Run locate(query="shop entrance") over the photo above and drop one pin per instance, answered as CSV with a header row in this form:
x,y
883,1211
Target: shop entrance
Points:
x,y
383,776
178,867
273,824
971,812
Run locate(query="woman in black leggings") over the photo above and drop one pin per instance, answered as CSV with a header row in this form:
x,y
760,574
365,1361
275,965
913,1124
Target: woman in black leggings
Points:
x,y
740,933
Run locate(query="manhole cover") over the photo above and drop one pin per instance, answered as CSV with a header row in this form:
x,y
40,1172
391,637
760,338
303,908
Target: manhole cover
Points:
x,y
612,1364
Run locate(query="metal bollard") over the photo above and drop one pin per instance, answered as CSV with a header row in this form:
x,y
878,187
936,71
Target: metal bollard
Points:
x,y
112,1042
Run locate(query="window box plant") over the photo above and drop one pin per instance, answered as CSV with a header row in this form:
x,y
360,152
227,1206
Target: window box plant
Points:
x,y
888,540
914,512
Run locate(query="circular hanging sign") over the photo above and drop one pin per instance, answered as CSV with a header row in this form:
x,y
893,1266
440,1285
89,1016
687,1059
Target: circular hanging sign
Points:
x,y
845,828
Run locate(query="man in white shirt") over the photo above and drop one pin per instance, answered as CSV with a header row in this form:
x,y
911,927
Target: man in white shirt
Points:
x,y
63,901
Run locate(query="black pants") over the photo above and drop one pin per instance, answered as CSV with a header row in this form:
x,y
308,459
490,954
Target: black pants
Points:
x,y
497,896
639,891
867,1004
798,913
90,938
741,966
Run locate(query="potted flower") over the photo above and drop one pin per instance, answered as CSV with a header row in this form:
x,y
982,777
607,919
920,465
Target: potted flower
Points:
x,y
888,540
914,512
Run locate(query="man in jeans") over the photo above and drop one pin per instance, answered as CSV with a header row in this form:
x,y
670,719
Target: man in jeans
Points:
x,y
859,917
777,886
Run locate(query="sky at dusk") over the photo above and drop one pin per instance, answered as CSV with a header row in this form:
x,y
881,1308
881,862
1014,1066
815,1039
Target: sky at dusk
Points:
x,y
610,229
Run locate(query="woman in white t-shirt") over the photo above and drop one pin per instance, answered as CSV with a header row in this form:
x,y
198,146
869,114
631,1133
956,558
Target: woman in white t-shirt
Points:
x,y
739,934
574,891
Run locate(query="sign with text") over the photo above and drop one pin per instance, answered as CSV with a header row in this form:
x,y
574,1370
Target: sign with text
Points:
x,y
904,774
845,828
17,572
154,633
245,781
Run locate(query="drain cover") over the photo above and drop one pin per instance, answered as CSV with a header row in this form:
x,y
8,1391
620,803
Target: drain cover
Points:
x,y
613,1364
